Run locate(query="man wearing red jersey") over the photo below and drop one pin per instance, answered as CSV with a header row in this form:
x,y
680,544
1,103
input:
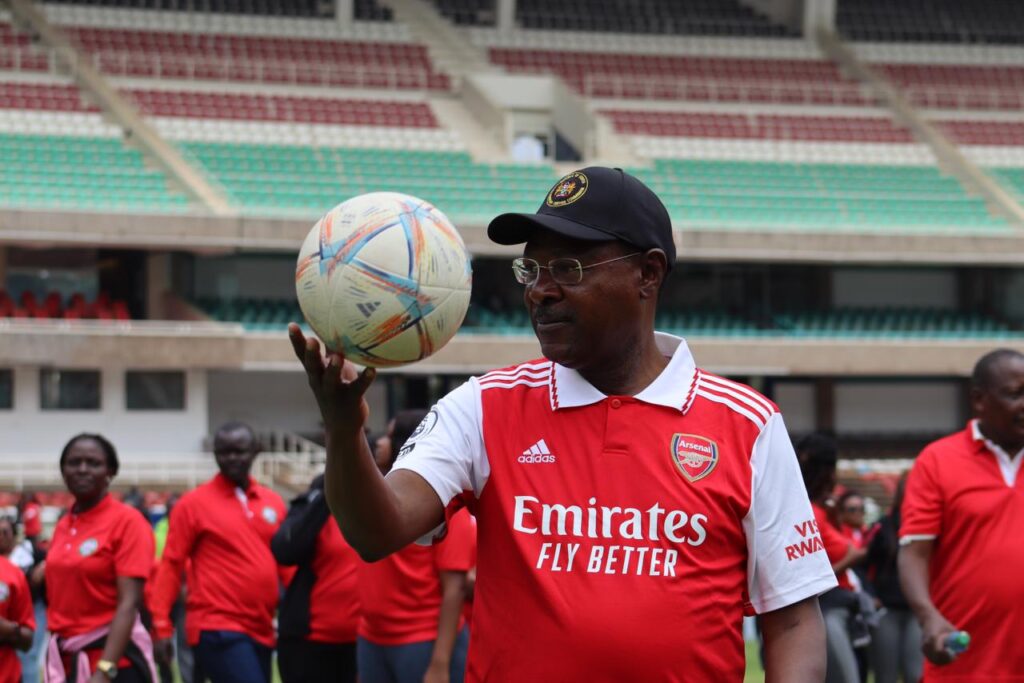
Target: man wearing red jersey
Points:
x,y
320,610
631,506
17,620
411,629
224,527
962,533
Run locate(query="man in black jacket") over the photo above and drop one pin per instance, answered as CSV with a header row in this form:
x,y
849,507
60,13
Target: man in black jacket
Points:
x,y
320,610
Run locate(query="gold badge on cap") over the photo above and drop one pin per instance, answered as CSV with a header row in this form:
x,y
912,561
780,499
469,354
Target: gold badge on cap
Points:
x,y
567,190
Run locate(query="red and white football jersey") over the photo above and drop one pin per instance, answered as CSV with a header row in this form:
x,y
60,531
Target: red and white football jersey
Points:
x,y
621,538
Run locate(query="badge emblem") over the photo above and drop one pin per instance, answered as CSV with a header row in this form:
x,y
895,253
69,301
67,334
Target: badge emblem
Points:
x,y
269,515
694,456
5,591
88,547
567,190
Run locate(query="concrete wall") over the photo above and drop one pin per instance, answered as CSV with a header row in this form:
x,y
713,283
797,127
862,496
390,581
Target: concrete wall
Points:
x,y
275,400
245,276
894,287
31,431
869,407
796,401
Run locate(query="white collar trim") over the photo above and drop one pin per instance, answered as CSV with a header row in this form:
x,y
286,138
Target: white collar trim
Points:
x,y
1009,465
672,388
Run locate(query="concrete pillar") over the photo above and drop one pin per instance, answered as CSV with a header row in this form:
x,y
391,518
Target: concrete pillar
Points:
x,y
506,19
819,14
344,12
825,404
158,283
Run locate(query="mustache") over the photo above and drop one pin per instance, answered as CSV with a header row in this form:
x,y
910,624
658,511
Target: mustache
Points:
x,y
544,316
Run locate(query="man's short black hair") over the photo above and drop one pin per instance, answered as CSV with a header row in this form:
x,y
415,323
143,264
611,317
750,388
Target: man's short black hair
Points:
x,y
235,426
108,450
984,375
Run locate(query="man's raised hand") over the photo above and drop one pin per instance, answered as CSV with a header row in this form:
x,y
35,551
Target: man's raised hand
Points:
x,y
338,387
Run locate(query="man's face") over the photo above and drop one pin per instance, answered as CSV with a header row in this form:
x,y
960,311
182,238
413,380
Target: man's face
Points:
x,y
234,452
1000,406
581,325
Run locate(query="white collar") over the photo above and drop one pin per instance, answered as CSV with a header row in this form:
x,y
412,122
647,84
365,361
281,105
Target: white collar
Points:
x,y
672,388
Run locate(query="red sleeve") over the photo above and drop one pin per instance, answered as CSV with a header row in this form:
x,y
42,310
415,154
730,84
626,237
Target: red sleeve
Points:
x,y
134,554
167,581
21,611
457,552
836,545
921,514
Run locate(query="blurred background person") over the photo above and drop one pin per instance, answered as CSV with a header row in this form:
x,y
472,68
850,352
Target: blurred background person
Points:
x,y
896,644
319,613
17,621
817,455
100,556
412,628
222,530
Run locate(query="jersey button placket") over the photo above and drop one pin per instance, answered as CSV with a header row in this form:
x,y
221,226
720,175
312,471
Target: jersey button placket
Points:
x,y
618,429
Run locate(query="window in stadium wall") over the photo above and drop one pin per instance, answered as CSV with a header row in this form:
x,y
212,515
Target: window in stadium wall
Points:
x,y
6,389
149,390
69,389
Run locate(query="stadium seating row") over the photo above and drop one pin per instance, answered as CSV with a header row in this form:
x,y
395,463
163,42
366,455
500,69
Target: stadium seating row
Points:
x,y
270,314
54,307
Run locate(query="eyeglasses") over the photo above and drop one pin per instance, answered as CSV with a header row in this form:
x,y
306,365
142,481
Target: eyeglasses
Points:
x,y
854,508
564,271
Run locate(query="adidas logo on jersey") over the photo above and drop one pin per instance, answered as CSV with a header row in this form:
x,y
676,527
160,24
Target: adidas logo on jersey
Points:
x,y
537,453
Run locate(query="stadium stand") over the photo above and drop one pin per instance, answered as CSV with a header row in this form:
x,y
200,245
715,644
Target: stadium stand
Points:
x,y
276,177
468,12
997,22
697,17
702,194
52,306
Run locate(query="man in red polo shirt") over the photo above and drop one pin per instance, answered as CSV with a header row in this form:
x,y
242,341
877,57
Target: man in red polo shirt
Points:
x,y
962,535
224,527
631,507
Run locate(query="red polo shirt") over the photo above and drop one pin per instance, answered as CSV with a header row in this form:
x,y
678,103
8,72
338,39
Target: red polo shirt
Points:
x,y
232,577
334,600
16,606
88,552
622,538
959,495
836,545
401,594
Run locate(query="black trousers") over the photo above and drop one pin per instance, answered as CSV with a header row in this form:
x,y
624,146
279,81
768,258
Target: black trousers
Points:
x,y
307,661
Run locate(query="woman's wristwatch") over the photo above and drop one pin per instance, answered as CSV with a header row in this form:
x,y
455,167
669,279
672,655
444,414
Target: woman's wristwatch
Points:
x,y
107,668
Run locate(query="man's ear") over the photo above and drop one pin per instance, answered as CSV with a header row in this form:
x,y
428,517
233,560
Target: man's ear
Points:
x,y
653,269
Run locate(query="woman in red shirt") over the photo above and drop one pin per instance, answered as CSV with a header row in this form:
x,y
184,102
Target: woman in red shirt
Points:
x,y
100,555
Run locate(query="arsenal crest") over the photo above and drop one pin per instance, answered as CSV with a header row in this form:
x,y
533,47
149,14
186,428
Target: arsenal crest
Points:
x,y
567,190
694,456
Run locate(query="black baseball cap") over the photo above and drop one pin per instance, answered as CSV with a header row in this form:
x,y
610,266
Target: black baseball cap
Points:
x,y
597,204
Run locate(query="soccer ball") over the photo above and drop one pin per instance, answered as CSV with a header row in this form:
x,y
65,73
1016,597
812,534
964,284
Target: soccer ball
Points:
x,y
384,278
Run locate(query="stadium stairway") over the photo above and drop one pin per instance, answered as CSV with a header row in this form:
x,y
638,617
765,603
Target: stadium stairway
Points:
x,y
121,111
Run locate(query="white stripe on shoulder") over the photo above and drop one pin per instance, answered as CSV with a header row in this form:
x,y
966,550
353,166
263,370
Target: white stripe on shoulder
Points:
x,y
739,408
532,369
742,388
734,391
509,383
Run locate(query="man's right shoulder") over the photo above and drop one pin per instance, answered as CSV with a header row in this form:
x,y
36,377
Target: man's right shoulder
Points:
x,y
944,447
533,373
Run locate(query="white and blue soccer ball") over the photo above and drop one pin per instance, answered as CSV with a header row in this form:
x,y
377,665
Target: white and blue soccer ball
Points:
x,y
384,278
